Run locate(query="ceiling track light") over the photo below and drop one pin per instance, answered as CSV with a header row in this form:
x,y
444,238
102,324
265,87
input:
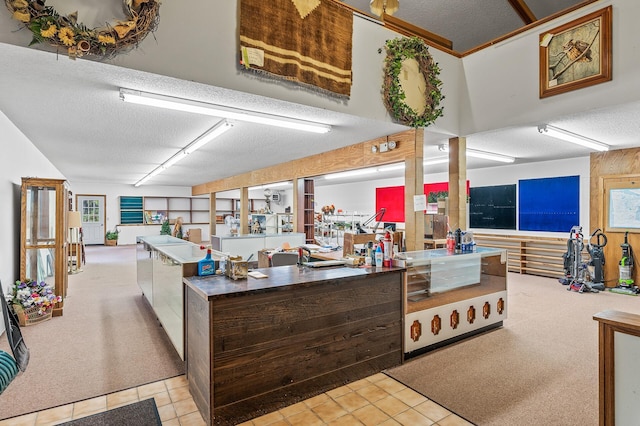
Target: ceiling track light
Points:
x,y
197,107
567,136
215,131
481,154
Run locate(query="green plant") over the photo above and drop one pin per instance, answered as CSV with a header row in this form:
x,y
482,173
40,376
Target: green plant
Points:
x,y
166,228
433,196
112,235
398,50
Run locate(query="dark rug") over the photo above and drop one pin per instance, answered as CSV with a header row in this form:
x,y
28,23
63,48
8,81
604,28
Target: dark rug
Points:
x,y
143,413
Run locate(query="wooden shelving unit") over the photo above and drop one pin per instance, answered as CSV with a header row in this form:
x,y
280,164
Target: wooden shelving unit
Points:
x,y
231,206
528,254
153,210
306,219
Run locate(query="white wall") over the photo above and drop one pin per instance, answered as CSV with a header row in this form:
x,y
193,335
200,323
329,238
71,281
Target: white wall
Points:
x,y
128,233
503,80
361,197
19,159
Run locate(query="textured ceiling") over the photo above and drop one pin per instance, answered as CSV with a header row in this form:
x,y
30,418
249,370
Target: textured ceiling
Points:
x,y
78,135
468,23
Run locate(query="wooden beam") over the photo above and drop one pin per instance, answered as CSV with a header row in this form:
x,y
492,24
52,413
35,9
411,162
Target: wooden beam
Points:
x,y
339,160
405,28
523,11
458,183
414,185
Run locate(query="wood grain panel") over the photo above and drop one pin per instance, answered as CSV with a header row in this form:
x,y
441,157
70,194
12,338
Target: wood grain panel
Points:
x,y
607,167
270,348
197,352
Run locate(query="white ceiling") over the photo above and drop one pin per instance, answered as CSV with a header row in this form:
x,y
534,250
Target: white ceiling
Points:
x,y
77,132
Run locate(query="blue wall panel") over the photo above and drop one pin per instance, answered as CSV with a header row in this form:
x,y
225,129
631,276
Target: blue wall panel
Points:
x,y
549,204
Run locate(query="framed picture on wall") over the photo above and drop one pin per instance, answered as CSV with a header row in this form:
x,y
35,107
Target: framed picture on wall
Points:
x,y
576,54
622,207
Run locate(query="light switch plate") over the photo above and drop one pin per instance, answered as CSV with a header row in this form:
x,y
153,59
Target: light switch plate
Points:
x,y
384,147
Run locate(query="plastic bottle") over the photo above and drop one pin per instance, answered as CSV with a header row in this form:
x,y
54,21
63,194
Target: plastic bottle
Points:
x,y
387,254
223,265
207,265
451,243
379,256
458,240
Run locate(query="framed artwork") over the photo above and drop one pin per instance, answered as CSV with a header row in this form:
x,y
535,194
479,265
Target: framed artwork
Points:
x,y
622,205
576,54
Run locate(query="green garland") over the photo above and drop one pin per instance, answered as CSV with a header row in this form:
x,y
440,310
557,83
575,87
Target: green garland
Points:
x,y
398,50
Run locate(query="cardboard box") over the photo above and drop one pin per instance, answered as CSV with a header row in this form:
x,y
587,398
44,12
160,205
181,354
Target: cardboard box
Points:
x,y
195,235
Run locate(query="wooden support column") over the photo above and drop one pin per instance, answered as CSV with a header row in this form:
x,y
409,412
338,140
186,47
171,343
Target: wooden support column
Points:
x,y
414,185
212,213
458,183
244,210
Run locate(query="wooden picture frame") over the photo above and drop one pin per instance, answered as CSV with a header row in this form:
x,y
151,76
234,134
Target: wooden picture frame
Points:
x,y
576,54
622,205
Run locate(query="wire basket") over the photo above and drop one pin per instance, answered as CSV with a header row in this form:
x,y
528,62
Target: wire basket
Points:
x,y
31,316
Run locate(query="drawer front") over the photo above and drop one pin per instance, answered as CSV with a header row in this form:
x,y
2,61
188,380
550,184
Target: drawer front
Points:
x,y
435,325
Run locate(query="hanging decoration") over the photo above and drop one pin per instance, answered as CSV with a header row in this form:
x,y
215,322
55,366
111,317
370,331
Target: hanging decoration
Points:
x,y
308,42
65,32
381,7
411,87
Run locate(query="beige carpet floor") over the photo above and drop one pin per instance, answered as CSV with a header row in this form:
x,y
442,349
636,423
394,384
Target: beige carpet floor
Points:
x,y
107,340
540,368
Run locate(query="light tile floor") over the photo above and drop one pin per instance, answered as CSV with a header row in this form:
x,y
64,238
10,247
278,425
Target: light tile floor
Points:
x,y
376,400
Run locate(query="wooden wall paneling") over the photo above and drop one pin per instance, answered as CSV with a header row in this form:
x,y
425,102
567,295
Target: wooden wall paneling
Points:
x,y
607,168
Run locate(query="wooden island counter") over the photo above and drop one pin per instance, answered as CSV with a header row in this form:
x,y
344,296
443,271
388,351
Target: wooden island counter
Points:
x,y
253,346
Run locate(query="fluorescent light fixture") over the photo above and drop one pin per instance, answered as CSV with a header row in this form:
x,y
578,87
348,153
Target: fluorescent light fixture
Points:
x,y
351,173
437,160
197,107
391,168
565,135
490,156
208,136
481,154
271,185
215,131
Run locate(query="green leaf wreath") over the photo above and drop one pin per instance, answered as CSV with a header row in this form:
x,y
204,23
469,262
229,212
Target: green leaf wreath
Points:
x,y
398,50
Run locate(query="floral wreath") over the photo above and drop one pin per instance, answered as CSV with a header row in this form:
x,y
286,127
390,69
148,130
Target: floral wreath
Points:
x,y
411,48
48,26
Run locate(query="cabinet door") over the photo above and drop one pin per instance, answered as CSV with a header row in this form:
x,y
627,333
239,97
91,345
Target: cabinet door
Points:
x,y
43,240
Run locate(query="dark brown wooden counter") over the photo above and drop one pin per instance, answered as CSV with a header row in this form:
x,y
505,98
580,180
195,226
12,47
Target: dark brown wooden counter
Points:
x,y
256,345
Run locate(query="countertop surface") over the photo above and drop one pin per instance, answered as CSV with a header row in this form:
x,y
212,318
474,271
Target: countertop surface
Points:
x,y
279,278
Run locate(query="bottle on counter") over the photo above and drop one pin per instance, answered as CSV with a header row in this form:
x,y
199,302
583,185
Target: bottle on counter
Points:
x,y
207,266
458,240
379,257
387,253
223,265
451,242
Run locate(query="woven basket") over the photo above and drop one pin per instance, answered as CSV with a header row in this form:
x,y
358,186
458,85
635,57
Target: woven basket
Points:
x,y
30,316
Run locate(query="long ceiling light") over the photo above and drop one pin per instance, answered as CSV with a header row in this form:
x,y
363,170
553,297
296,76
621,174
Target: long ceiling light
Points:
x,y
565,135
482,154
490,156
215,131
197,107
351,173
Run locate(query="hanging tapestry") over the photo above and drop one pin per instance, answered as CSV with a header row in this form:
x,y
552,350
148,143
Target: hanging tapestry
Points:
x,y
306,41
